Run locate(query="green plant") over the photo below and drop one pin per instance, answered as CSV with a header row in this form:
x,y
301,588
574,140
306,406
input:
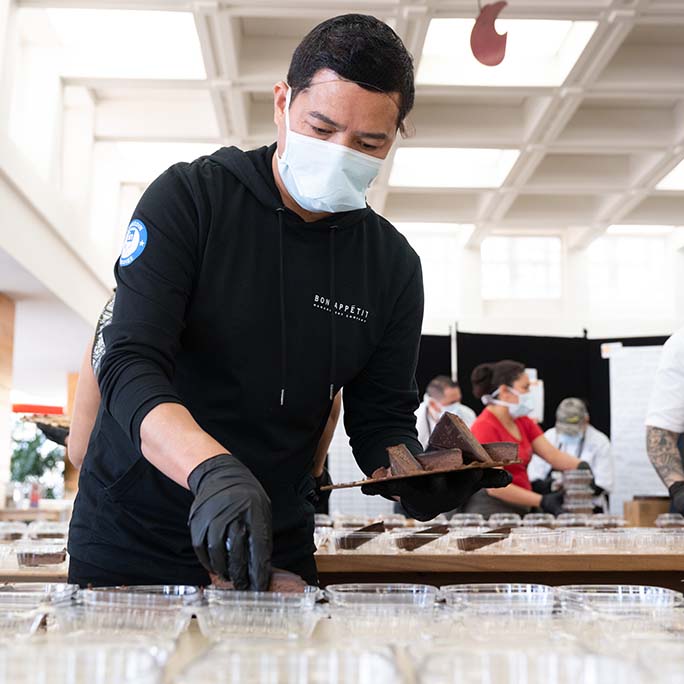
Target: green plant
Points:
x,y
31,460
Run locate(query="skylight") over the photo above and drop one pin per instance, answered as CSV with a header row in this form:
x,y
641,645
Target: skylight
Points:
x,y
451,167
538,53
117,43
674,180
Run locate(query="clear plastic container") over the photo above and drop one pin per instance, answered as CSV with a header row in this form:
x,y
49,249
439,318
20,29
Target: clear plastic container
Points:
x,y
35,594
352,541
577,478
394,520
321,537
382,613
158,597
589,541
36,555
670,520
12,531
538,520
45,530
18,621
325,664
605,521
351,521
467,520
500,599
305,600
258,614
477,540
418,597
497,520
489,666
418,540
71,663
619,599
535,540
322,520
572,520
101,620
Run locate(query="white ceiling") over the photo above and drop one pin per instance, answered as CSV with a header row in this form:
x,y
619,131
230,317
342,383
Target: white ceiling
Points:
x,y
592,148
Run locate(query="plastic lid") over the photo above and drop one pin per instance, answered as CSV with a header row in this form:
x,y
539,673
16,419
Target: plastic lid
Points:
x,y
152,596
35,593
262,599
418,595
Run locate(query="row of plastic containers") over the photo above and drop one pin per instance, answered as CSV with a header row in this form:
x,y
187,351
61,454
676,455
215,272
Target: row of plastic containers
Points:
x,y
445,539
126,635
595,521
166,610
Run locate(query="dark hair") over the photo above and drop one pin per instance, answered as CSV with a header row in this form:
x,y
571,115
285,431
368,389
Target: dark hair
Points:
x,y
359,48
438,384
487,377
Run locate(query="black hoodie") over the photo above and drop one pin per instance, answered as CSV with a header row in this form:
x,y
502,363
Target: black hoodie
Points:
x,y
252,319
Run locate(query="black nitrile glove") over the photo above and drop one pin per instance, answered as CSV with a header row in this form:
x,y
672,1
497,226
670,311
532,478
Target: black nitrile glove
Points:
x,y
677,496
54,433
320,499
424,498
552,503
585,466
542,486
230,522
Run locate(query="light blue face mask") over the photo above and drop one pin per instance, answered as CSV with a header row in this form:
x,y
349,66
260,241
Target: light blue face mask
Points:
x,y
524,407
322,176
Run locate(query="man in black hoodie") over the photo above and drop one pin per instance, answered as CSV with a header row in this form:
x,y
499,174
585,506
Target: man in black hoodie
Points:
x,y
238,269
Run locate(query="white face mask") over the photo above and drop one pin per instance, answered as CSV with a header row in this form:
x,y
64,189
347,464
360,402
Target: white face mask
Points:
x,y
524,407
322,176
437,413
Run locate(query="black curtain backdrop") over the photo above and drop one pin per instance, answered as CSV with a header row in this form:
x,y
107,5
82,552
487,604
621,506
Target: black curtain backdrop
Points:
x,y
569,367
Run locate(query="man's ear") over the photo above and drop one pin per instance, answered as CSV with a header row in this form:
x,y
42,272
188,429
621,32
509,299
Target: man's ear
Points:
x,y
279,98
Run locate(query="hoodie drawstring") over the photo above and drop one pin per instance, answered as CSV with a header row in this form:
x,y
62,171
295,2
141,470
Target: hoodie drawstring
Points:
x,y
333,345
283,326
283,331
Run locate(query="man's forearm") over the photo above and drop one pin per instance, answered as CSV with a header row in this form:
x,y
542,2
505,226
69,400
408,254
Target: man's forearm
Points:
x,y
174,443
326,437
664,454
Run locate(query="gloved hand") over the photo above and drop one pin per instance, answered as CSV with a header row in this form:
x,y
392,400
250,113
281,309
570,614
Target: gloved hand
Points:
x,y
56,434
320,499
585,466
677,496
552,503
542,486
424,498
230,522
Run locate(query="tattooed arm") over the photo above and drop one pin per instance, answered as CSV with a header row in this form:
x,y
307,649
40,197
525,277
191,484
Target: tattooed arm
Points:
x,y
664,454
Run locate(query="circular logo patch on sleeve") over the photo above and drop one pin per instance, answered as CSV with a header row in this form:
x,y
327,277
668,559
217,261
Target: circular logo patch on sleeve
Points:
x,y
135,242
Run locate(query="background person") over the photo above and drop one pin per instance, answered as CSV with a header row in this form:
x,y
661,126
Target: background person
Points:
x,y
442,395
573,434
665,420
504,389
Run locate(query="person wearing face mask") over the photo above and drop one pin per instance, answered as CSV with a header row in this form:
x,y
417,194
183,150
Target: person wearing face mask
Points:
x,y
504,389
442,395
252,287
574,434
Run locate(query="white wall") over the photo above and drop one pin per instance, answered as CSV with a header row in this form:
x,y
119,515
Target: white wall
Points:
x,y
582,303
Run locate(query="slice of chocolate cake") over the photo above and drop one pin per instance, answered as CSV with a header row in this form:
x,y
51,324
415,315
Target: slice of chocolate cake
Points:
x,y
452,433
501,451
402,461
440,460
414,541
357,538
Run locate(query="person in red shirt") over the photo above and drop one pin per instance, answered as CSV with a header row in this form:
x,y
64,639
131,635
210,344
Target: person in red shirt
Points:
x,y
504,388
